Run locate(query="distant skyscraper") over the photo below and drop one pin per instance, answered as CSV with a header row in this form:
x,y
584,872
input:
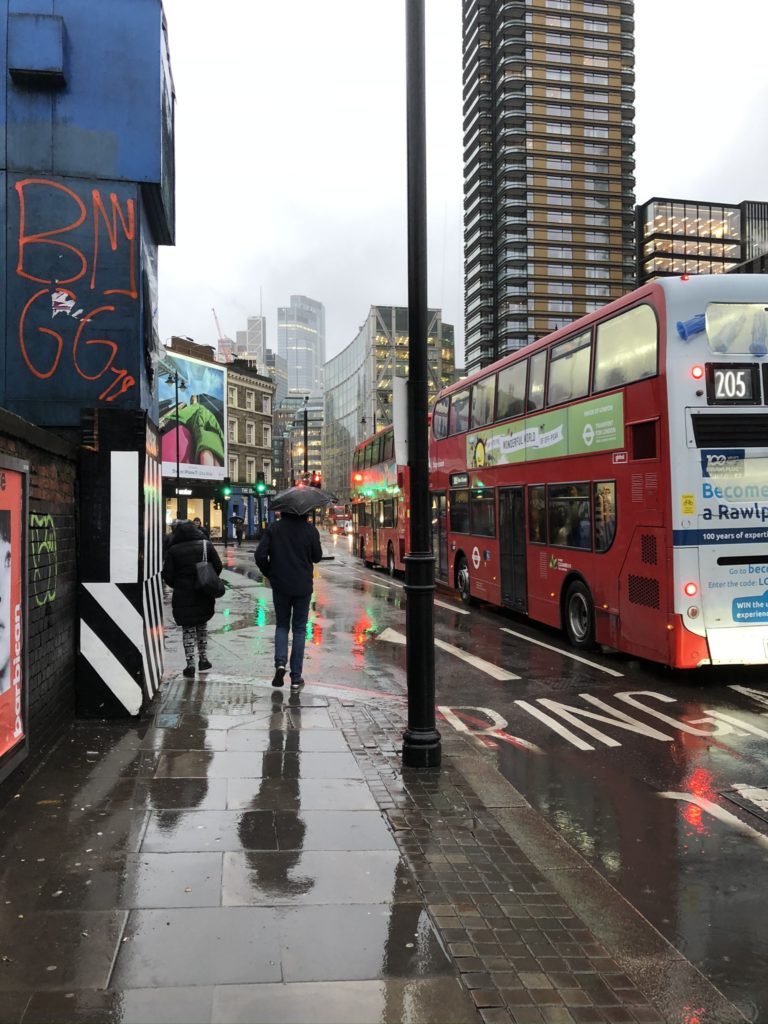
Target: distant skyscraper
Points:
x,y
301,342
548,166
277,368
241,342
256,341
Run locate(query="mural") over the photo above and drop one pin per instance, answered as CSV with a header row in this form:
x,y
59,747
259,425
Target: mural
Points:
x,y
11,611
192,417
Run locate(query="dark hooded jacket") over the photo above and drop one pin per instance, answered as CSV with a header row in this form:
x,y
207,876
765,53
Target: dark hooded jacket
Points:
x,y
191,607
287,553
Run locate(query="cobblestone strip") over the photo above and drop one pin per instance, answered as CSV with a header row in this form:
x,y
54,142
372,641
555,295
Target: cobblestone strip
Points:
x,y
523,954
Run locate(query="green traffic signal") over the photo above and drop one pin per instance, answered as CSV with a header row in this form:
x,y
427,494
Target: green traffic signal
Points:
x,y
226,488
260,487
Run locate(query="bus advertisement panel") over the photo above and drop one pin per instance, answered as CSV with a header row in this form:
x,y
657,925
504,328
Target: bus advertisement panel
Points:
x,y
612,478
12,625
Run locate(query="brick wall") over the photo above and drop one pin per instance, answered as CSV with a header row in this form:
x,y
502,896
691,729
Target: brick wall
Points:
x,y
52,584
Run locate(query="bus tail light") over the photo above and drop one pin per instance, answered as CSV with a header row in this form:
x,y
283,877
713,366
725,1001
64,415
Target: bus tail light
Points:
x,y
691,589
697,372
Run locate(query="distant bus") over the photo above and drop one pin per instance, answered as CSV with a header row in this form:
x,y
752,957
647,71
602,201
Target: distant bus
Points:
x,y
612,478
339,519
380,502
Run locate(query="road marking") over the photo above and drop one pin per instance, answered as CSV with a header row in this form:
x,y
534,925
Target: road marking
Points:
x,y
720,813
401,586
565,654
393,637
754,794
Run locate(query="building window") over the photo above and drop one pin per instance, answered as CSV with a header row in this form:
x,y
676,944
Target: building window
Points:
x,y
250,433
232,396
250,401
557,75
234,468
233,431
250,471
266,404
267,435
266,466
595,78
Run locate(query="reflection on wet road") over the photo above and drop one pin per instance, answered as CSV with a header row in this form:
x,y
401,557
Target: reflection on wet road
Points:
x,y
658,778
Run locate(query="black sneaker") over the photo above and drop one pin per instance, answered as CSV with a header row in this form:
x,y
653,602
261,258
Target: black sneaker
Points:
x,y
204,665
189,672
296,684
279,675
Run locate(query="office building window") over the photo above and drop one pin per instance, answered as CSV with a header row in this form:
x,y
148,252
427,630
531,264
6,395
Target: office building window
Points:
x,y
557,75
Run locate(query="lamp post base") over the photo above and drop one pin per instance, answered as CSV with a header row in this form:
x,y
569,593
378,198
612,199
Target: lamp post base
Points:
x,y
421,748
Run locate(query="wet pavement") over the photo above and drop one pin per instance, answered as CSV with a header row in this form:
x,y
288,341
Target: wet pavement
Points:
x,y
244,854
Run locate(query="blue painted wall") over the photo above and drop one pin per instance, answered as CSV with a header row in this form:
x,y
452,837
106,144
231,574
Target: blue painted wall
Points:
x,y
86,143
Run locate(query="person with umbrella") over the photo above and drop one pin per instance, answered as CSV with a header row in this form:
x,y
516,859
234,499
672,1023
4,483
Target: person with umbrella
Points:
x,y
286,555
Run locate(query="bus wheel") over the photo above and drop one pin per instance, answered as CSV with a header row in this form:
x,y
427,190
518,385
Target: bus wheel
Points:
x,y
580,616
462,580
390,560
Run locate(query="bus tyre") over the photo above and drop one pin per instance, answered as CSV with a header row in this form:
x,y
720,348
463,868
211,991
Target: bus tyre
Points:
x,y
579,616
390,560
462,580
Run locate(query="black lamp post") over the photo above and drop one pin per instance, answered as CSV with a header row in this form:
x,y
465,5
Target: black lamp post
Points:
x,y
306,438
179,385
421,740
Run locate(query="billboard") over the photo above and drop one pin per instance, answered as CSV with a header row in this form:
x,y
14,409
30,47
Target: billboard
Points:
x,y
194,431
12,681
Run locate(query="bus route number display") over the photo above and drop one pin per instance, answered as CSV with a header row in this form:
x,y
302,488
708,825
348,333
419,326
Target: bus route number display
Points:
x,y
730,384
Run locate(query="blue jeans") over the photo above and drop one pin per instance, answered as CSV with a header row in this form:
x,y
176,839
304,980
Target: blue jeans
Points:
x,y
287,608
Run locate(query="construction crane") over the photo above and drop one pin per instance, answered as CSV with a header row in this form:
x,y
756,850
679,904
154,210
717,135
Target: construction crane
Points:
x,y
225,344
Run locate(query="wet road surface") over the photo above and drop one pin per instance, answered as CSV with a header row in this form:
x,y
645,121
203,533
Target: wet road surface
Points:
x,y
658,778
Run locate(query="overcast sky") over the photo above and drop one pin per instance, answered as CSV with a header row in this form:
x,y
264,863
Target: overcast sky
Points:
x,y
290,148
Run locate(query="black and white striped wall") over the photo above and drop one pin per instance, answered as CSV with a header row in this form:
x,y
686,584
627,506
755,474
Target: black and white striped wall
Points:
x,y
120,661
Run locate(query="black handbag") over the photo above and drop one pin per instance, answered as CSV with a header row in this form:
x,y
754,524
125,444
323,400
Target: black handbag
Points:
x,y
207,581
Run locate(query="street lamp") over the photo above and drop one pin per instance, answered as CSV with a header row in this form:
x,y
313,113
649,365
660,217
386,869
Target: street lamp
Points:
x,y
306,437
179,385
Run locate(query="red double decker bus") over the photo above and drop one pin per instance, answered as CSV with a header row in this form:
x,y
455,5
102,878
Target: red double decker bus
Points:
x,y
380,502
612,478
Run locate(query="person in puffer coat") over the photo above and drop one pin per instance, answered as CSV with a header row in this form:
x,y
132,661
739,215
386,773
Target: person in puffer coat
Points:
x,y
191,607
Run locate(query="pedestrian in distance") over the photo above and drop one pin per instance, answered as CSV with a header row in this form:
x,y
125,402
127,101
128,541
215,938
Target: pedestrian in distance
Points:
x,y
200,526
286,555
192,608
239,532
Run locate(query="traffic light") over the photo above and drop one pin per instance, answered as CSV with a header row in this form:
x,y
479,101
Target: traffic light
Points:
x,y
226,489
261,485
317,478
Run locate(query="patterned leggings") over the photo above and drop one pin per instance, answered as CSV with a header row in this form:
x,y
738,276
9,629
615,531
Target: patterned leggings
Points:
x,y
192,635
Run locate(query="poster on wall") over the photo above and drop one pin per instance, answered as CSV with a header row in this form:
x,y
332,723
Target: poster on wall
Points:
x,y
12,681
192,417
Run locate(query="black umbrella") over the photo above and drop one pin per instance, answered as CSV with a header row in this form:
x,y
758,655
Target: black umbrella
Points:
x,y
299,501
236,519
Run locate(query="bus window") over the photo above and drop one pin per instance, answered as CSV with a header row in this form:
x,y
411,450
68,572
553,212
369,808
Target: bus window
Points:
x,y
536,381
626,348
356,460
537,522
511,390
458,419
570,515
740,328
388,446
483,513
375,451
605,514
440,418
483,397
569,369
367,456
459,511
387,515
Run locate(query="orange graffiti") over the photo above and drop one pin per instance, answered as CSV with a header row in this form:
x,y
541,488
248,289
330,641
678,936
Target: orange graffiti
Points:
x,y
111,345
40,374
47,237
129,230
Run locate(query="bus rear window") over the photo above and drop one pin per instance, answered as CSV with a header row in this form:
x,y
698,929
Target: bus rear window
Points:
x,y
458,420
740,328
626,349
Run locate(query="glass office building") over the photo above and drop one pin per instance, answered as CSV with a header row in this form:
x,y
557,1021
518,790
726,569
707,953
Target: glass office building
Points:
x,y
548,166
358,384
683,236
